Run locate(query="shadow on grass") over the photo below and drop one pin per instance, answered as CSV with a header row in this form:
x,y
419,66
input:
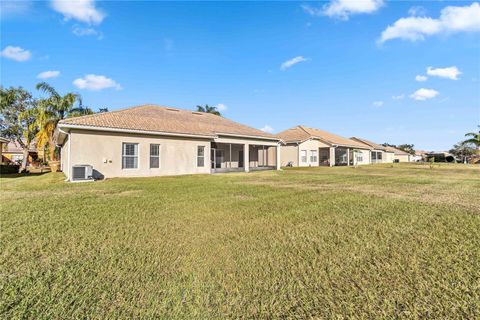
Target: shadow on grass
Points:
x,y
19,175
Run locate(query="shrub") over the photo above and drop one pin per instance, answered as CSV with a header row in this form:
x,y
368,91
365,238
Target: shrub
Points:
x,y
7,168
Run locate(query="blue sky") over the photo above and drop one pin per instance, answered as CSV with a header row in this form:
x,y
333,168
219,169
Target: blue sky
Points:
x,y
346,67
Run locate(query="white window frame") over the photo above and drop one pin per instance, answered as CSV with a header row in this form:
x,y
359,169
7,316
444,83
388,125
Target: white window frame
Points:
x,y
359,156
132,156
313,156
201,156
155,156
303,156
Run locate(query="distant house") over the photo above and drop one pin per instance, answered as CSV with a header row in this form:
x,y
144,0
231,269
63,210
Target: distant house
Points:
x,y
151,140
3,146
378,153
400,155
440,156
314,147
12,152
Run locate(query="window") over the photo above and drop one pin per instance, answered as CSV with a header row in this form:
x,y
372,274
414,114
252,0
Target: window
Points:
x,y
200,156
313,156
154,156
359,157
379,155
130,156
303,156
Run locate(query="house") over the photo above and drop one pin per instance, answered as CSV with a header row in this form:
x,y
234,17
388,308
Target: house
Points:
x,y
3,146
305,147
379,153
400,155
12,152
151,140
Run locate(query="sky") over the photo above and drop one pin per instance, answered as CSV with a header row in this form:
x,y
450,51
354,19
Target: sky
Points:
x,y
387,71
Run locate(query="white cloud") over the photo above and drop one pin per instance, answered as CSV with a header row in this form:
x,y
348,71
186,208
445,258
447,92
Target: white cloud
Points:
x,y
378,104
81,10
399,97
343,9
81,32
48,74
96,82
221,107
267,128
417,11
16,53
452,19
420,78
290,63
424,94
449,73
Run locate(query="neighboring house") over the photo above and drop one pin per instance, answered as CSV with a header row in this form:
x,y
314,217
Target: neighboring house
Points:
x,y
400,155
378,153
441,156
151,140
3,146
12,152
313,147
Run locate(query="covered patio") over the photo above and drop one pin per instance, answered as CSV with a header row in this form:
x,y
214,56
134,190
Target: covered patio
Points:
x,y
244,157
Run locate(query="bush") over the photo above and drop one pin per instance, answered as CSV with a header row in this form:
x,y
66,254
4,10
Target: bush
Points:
x,y
7,168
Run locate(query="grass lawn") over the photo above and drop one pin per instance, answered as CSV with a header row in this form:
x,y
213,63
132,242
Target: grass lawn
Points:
x,y
380,241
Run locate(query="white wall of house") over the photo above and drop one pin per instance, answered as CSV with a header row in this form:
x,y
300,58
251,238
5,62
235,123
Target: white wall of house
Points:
x,y
103,150
388,157
309,148
402,157
289,154
362,156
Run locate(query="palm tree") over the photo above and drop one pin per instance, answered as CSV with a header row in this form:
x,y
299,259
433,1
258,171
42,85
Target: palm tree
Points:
x,y
475,138
208,109
51,110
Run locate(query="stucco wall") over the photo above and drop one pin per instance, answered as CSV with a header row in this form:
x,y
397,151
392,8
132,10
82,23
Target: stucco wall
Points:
x,y
64,158
289,153
103,150
402,158
388,157
365,156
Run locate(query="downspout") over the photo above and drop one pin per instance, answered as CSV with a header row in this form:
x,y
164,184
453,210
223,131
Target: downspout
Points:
x,y
68,155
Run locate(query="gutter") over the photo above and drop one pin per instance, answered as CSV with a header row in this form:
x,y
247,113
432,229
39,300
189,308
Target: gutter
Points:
x,y
107,129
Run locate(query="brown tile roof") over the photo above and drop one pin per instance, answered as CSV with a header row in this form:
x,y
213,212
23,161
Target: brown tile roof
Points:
x,y
301,133
369,143
166,120
397,151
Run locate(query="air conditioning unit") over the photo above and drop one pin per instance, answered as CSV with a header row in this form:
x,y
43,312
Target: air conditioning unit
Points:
x,y
82,172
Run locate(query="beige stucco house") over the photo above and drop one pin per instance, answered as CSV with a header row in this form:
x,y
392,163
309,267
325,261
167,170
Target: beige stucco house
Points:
x,y
305,147
400,155
378,153
151,140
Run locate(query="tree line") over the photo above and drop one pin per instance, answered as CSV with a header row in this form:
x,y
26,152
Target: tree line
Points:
x,y
26,120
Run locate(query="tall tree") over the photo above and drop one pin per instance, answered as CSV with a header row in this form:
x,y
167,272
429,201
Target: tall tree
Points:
x,y
463,150
208,109
475,138
18,114
408,148
52,109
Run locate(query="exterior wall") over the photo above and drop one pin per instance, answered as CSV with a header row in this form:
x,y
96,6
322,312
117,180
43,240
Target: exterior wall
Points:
x,y
308,146
402,157
64,154
103,150
289,153
388,157
365,155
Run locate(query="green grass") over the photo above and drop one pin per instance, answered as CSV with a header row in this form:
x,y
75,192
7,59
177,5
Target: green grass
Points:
x,y
372,242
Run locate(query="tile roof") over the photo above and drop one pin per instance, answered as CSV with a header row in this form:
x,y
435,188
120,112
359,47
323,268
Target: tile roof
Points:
x,y
301,133
166,120
369,143
397,151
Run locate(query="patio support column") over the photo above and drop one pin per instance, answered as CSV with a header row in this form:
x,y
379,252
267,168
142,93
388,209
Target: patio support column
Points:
x,y
230,157
348,156
246,157
277,157
332,156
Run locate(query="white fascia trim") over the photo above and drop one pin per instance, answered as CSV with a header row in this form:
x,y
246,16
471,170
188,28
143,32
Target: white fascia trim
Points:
x,y
157,133
247,136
